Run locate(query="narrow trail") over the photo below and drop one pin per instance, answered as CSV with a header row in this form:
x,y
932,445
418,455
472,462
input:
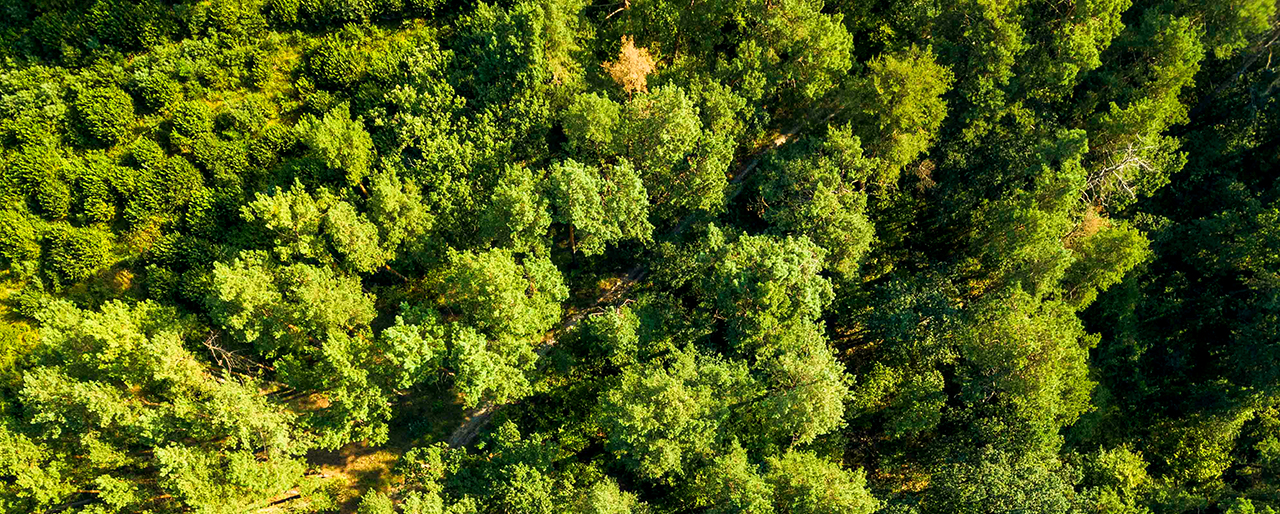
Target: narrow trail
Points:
x,y
475,419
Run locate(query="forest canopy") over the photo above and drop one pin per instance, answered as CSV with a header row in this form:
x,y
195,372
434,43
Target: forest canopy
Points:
x,y
644,256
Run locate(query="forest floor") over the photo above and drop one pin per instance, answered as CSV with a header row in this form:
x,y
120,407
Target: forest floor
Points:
x,y
359,467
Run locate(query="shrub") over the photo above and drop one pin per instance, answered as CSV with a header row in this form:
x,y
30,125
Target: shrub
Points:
x,y
312,11
343,142
279,138
175,183
348,11
235,17
31,130
192,122
160,282
147,154
225,161
201,216
336,62
282,12
245,117
165,249
259,70
157,90
59,34
260,153
18,239
193,118
130,25
76,254
98,206
107,113
94,184
54,198
36,164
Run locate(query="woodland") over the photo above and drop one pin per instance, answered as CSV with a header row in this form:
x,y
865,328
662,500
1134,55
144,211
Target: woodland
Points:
x,y
639,256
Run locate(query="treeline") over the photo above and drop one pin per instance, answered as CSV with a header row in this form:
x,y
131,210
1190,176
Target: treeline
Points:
x,y
761,256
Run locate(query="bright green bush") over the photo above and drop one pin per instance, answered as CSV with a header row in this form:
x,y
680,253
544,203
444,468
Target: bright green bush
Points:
x,y
237,18
147,154
282,12
95,188
260,70
31,130
106,112
347,11
75,254
336,62
54,198
34,165
225,161
131,25
192,118
245,117
19,238
157,90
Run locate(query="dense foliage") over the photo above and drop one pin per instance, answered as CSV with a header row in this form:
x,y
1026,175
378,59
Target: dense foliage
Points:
x,y
646,256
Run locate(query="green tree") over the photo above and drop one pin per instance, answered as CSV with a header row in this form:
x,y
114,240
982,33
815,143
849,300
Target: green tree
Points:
x,y
1114,480
732,483
116,404
807,388
820,194
605,497
324,229
342,142
600,205
396,209
662,439
355,238
1129,154
998,483
517,216
336,61
312,326
490,370
763,285
19,240
498,294
1027,361
899,108
507,304
681,164
804,483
